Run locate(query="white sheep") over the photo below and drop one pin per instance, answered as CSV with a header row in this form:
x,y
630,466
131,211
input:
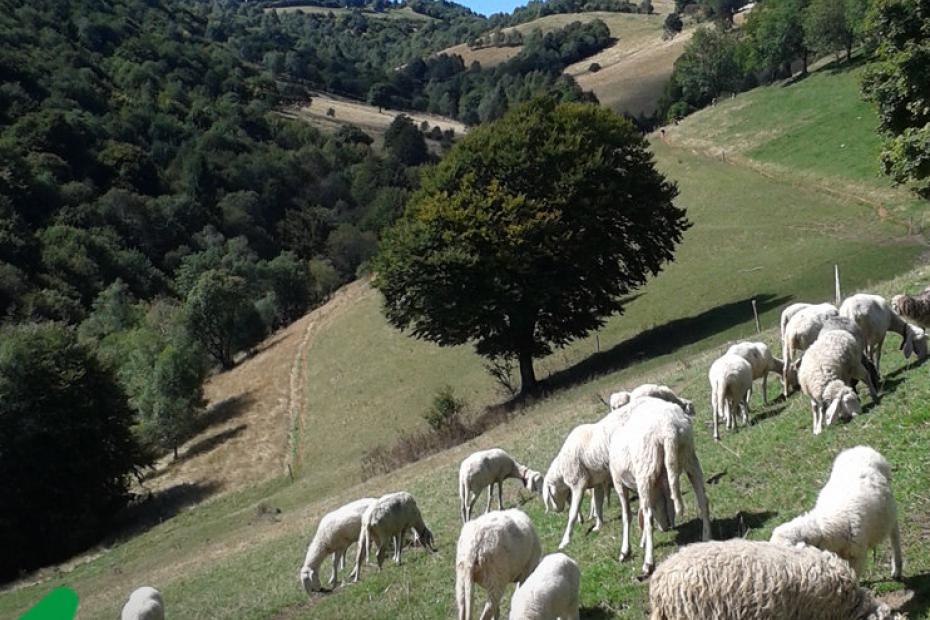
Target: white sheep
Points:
x,y
800,333
789,312
876,318
826,369
855,511
762,362
144,603
486,468
618,399
550,592
494,550
650,450
730,379
337,531
623,398
582,463
662,392
387,519
751,580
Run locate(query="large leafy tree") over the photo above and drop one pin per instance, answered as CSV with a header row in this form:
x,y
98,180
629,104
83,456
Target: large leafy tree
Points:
x,y
900,85
529,233
66,449
776,30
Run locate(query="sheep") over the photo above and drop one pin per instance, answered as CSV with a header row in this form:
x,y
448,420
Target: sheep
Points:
x,y
914,307
623,398
144,603
762,362
875,318
741,579
842,323
581,463
826,369
653,447
730,379
662,392
800,333
789,312
334,535
618,399
550,592
487,468
855,512
494,550
388,518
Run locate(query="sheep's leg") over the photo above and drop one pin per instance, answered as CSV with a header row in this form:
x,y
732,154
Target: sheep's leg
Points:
x,y
744,407
625,514
332,579
815,414
577,494
765,388
490,495
398,546
471,505
381,553
878,355
648,561
896,552
359,553
859,372
492,608
696,476
715,413
592,508
500,494
598,502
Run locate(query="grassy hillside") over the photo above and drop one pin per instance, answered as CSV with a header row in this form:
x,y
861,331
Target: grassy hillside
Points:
x,y
761,230
399,13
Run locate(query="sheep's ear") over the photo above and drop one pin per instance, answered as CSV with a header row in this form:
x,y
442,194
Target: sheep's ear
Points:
x,y
832,410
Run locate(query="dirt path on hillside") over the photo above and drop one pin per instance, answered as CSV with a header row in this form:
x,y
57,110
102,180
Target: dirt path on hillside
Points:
x,y
252,410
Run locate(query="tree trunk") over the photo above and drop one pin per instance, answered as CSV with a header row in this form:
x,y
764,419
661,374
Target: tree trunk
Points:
x,y
804,62
175,453
528,382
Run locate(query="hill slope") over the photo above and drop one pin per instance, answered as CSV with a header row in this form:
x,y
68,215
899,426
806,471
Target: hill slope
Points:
x,y
764,232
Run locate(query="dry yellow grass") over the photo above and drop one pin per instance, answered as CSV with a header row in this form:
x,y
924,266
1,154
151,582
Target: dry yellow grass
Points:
x,y
368,118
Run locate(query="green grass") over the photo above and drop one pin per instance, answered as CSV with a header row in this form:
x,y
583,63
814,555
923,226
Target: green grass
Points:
x,y
755,235
817,129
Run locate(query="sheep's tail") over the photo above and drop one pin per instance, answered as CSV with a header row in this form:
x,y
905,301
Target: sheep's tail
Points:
x,y
463,592
673,472
364,540
463,497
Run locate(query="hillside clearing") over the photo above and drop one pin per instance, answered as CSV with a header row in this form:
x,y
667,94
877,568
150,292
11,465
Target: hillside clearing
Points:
x,y
362,115
773,237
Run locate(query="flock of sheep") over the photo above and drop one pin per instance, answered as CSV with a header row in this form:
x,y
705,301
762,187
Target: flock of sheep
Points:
x,y
808,569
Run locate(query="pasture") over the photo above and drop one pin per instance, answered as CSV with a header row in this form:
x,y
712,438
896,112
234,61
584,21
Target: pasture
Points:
x,y
764,228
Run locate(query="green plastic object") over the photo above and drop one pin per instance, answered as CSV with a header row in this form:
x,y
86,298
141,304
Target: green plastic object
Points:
x,y
59,604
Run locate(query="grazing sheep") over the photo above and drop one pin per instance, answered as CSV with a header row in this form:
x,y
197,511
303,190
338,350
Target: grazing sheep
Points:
x,y
388,518
730,379
914,307
651,449
800,333
550,592
485,469
826,369
855,511
662,392
334,535
750,580
789,312
494,550
844,324
618,399
875,318
762,362
144,603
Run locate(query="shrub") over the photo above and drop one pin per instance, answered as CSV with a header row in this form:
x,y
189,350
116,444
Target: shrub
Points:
x,y
594,67
445,409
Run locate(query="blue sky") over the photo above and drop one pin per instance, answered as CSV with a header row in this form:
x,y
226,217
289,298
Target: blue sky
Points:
x,y
487,7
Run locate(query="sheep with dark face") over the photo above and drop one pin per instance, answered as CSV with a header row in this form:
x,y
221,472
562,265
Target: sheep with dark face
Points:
x,y
915,308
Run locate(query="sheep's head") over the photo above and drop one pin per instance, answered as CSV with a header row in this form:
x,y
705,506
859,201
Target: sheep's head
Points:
x,y
915,342
533,481
311,580
844,403
619,399
688,406
425,536
792,375
898,304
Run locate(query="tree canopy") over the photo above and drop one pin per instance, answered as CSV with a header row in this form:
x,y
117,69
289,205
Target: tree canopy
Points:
x,y
529,233
899,84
